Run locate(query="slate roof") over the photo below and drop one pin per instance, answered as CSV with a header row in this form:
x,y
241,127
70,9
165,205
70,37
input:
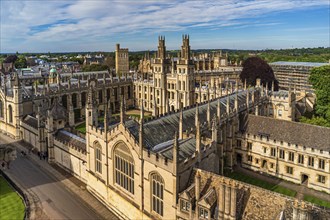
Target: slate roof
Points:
x,y
71,139
291,132
58,111
162,130
31,121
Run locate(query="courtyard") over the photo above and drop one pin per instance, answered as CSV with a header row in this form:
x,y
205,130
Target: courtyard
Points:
x,y
281,186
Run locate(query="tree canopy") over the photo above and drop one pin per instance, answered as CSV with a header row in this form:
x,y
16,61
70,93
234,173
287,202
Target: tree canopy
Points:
x,y
320,79
10,59
255,67
94,67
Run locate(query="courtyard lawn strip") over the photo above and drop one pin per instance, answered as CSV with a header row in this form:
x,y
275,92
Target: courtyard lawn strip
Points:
x,y
81,128
262,184
317,201
11,204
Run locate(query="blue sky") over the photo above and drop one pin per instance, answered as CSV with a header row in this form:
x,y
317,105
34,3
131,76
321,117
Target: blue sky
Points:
x,y
97,25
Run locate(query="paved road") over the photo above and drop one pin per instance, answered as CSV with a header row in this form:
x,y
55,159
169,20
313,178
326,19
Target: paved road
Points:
x,y
56,201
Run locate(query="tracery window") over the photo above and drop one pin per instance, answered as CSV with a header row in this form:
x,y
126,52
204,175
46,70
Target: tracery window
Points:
x,y
10,110
124,168
98,158
157,194
1,109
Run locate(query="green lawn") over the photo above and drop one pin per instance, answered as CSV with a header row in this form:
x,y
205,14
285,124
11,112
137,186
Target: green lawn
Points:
x,y
262,184
316,201
11,204
81,128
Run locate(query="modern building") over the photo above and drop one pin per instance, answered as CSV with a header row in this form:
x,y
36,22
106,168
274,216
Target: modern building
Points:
x,y
294,74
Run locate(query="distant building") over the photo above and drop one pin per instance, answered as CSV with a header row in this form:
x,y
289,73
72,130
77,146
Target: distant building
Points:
x,y
294,74
122,61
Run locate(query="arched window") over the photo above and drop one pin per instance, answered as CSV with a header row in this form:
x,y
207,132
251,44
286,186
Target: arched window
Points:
x,y
124,168
10,110
1,109
98,157
157,185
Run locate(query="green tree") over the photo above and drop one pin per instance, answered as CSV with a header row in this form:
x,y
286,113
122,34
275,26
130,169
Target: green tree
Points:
x,y
21,62
320,79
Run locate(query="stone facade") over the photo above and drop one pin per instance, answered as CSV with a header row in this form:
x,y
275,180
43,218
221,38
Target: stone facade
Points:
x,y
210,196
122,61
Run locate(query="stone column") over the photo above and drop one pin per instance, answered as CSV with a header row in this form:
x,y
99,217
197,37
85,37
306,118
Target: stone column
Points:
x,y
233,202
227,202
221,201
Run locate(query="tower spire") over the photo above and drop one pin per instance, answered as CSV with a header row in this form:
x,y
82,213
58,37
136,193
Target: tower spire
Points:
x,y
122,110
181,124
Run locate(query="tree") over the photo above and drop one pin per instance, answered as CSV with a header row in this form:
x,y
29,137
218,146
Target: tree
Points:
x,y
320,79
21,62
255,67
94,67
10,59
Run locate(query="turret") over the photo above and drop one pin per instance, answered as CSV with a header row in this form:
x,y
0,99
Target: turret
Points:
x,y
161,53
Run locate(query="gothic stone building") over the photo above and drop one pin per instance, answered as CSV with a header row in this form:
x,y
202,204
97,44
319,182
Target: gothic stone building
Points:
x,y
146,168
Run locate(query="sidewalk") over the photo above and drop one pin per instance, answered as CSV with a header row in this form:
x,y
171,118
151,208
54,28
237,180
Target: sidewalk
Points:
x,y
71,183
300,189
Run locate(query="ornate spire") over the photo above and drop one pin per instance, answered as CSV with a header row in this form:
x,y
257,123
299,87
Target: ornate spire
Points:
x,y
208,113
228,105
141,129
214,129
198,138
122,110
219,109
175,152
197,115
181,124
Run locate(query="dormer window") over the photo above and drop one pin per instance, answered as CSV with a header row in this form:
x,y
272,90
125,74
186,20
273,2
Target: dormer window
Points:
x,y
203,213
185,205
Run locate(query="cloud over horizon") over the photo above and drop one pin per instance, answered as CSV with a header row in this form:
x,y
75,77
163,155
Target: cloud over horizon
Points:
x,y
94,24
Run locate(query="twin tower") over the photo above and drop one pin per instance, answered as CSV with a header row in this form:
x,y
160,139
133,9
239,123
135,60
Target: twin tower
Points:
x,y
185,48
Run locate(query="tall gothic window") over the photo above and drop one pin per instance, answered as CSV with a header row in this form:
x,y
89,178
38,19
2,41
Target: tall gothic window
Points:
x,y
10,110
124,168
98,158
1,109
157,186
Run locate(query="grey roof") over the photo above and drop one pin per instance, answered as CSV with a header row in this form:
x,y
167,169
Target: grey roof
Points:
x,y
58,111
71,139
163,129
291,132
31,121
187,148
309,64
159,133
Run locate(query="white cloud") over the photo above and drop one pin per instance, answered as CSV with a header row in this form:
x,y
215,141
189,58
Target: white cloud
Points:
x,y
87,20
